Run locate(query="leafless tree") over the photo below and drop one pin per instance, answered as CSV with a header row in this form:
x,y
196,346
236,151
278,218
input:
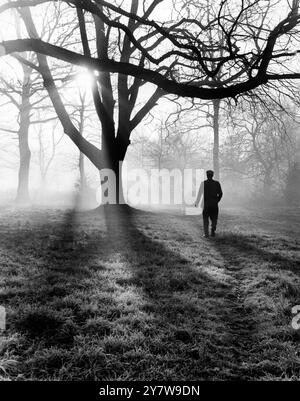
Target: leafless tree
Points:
x,y
262,143
26,93
46,153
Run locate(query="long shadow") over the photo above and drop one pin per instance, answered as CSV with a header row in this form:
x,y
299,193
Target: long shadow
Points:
x,y
57,261
256,246
155,268
174,294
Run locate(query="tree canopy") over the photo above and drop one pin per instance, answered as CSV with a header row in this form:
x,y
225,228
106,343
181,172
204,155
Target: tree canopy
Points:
x,y
253,42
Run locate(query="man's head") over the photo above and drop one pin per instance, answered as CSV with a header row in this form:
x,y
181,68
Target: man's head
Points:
x,y
209,174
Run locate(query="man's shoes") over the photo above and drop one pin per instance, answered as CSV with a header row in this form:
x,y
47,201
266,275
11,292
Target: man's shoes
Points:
x,y
205,236
213,233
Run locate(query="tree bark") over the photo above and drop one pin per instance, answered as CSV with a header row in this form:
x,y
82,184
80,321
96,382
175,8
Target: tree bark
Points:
x,y
24,151
113,156
81,171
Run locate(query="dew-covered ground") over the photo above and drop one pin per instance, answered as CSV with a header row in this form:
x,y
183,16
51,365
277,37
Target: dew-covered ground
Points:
x,y
131,295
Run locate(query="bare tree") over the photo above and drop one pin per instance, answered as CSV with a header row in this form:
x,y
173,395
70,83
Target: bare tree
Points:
x,y
26,94
19,95
46,153
174,147
261,144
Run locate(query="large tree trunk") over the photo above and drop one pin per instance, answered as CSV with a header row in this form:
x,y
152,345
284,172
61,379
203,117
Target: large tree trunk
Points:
x,y
86,194
115,186
23,176
120,200
24,151
113,152
216,128
82,177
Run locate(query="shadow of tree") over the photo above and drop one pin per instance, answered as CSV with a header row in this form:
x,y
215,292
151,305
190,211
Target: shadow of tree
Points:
x,y
58,261
259,248
76,273
182,301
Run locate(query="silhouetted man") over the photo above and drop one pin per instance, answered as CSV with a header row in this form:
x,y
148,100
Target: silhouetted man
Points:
x,y
211,193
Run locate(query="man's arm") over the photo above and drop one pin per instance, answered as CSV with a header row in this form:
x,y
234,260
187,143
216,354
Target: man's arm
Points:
x,y
200,194
220,193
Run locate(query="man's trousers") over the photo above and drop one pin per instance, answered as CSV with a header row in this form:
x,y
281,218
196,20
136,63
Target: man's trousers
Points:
x,y
210,212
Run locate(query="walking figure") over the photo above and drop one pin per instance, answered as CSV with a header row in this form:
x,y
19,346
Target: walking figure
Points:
x,y
211,193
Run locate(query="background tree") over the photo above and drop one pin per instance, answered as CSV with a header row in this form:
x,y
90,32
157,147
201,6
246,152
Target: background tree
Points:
x,y
261,145
25,95
292,190
24,90
46,153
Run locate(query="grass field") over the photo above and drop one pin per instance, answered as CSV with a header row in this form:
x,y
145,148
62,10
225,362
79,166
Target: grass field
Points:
x,y
139,296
